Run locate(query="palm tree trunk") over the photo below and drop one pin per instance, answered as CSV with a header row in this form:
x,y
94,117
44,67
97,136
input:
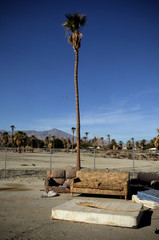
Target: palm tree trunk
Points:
x,y
78,166
12,137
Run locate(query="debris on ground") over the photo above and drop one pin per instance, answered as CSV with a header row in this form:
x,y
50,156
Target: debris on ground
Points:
x,y
49,194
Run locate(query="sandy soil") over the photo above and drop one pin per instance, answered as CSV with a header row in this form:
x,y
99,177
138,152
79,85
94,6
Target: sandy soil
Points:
x,y
63,160
24,215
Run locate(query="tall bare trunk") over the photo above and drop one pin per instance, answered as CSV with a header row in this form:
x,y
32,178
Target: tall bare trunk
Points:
x,y
78,165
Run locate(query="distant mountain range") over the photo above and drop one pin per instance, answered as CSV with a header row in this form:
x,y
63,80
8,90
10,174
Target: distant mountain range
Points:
x,y
43,134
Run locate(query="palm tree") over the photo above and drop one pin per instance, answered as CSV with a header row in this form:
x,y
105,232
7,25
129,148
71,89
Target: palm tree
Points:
x,y
65,143
46,141
129,145
5,138
33,141
94,142
120,144
102,142
157,140
73,131
12,128
113,144
0,138
20,139
53,138
132,139
143,144
108,140
68,143
86,133
137,145
73,24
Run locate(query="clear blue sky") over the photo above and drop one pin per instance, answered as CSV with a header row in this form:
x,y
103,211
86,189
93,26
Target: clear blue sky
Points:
x,y
118,67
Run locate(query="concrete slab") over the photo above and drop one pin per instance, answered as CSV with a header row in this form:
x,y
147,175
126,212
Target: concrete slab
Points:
x,y
123,214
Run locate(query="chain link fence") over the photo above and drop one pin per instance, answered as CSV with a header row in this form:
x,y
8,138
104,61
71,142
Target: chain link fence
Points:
x,y
37,161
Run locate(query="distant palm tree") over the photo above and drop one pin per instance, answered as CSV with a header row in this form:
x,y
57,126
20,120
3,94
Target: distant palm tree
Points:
x,y
129,145
46,141
20,139
120,144
102,142
53,138
0,138
73,24
12,128
156,142
132,139
113,144
68,143
5,138
143,144
86,133
33,141
65,143
137,145
108,140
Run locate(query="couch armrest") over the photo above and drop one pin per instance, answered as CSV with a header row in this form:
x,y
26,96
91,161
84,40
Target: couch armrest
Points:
x,y
125,183
73,180
76,179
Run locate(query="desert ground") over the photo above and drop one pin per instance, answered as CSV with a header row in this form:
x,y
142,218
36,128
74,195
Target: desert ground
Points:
x,y
111,161
25,215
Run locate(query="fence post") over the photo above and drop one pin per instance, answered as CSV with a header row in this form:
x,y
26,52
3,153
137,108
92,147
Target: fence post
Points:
x,y
5,162
94,158
133,164
50,158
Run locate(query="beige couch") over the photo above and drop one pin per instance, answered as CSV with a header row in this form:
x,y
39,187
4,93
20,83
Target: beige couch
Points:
x,y
107,183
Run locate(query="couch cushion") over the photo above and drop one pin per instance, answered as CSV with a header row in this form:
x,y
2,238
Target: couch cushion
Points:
x,y
85,184
103,186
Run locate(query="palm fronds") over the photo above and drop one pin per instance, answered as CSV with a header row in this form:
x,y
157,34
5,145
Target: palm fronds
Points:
x,y
75,21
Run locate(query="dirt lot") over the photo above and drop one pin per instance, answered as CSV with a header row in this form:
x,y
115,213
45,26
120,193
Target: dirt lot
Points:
x,y
24,215
110,161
